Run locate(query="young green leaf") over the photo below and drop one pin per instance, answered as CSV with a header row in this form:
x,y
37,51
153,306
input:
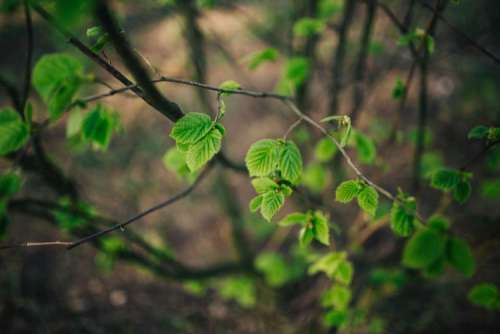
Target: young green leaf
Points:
x,y
365,148
402,222
460,256
191,128
347,191
485,295
202,151
338,297
13,131
344,273
229,85
263,184
478,132
297,70
290,162
462,191
306,235
445,179
321,229
325,150
368,200
57,77
328,263
308,26
255,203
98,126
423,249
271,203
438,223
262,157
257,58
294,218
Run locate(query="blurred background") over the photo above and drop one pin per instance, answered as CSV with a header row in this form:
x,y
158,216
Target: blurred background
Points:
x,y
358,60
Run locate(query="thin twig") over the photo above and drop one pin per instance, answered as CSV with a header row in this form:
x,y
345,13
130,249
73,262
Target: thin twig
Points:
x,y
29,55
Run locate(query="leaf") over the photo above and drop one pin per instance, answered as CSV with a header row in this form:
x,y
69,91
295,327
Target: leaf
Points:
x,y
290,162
478,132
57,77
462,192
263,184
328,263
485,295
204,150
490,188
423,248
257,58
460,256
347,191
307,26
325,150
445,179
191,128
338,296
271,203
241,288
255,203
229,85
321,229
399,89
98,126
368,200
13,131
294,218
344,272
262,157
365,148
402,222
438,223
274,267
10,184
175,161
315,177
306,235
297,70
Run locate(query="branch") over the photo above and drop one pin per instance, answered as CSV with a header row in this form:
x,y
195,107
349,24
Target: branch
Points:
x,y
469,163
29,55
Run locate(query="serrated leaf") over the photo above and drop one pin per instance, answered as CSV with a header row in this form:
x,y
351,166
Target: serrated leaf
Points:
x,y
262,157
191,128
290,162
424,248
57,77
13,131
445,179
263,184
368,200
271,204
255,203
204,150
460,256
325,150
478,132
328,263
98,126
306,235
347,191
320,228
462,192
344,272
294,218
402,222
338,297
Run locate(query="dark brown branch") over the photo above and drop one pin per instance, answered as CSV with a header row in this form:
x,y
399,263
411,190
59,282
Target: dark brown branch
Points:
x,y
476,158
13,94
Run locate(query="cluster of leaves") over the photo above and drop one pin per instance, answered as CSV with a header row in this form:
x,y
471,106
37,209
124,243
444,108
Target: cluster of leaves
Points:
x,y
365,194
277,164
314,225
100,38
197,138
458,182
417,36
432,247
482,132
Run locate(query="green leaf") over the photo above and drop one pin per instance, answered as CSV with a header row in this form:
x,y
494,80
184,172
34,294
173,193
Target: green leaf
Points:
x,y
460,256
321,229
10,184
191,128
290,162
57,77
438,223
402,222
262,157
274,267
490,188
257,58
325,150
229,85
297,70
337,296
255,203
425,247
271,203
306,235
445,179
13,131
478,132
462,192
308,26
264,184
98,126
328,264
294,218
399,89
365,148
175,161
74,123
485,295
347,191
241,289
368,200
202,151
344,273
315,177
